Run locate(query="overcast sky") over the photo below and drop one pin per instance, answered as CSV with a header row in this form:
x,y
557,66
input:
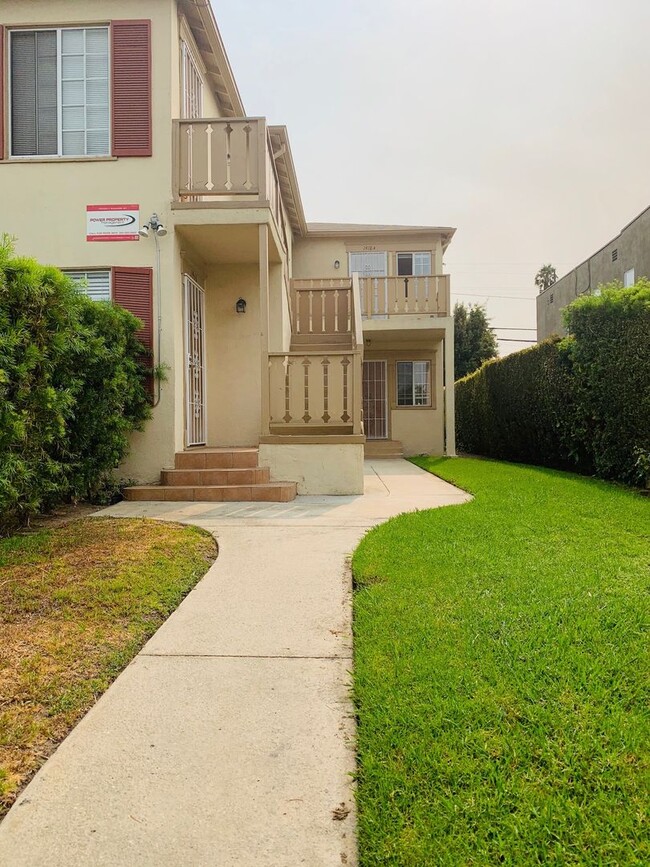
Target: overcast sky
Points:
x,y
524,124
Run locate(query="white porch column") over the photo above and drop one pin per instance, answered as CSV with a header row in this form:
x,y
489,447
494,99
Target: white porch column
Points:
x,y
450,404
264,324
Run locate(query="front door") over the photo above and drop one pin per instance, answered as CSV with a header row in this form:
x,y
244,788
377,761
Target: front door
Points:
x,y
375,400
195,417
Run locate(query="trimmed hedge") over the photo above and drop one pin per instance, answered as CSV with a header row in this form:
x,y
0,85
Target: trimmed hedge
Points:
x,y
72,388
582,403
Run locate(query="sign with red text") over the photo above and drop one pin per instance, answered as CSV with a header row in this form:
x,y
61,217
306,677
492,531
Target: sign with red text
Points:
x,y
112,222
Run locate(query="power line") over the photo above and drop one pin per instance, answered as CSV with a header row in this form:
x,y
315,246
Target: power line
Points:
x,y
490,295
514,340
504,328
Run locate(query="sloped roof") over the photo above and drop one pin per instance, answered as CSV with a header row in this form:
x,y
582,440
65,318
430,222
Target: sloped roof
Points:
x,y
201,21
336,230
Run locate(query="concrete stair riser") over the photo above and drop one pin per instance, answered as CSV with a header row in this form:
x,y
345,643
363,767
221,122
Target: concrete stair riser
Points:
x,y
215,475
216,459
193,478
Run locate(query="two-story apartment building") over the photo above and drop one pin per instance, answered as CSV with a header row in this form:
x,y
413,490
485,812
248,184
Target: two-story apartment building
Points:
x,y
127,159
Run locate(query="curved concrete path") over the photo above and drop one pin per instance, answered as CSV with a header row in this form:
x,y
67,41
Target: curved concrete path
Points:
x,y
229,740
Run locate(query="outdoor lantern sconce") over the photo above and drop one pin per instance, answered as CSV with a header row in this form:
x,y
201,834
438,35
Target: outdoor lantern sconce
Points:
x,y
337,264
240,306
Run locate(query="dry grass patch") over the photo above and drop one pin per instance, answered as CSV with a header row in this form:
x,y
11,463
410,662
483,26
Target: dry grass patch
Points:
x,y
76,604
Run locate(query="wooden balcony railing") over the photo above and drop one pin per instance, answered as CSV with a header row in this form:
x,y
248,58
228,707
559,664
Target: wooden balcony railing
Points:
x,y
392,296
226,159
322,306
315,392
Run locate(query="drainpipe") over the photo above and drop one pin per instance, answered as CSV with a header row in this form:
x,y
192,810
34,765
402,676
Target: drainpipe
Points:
x,y
159,306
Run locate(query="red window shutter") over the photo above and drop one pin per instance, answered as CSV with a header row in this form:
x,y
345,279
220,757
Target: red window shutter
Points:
x,y
2,92
131,88
133,289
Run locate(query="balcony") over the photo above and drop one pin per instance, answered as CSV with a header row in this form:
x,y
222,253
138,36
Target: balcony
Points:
x,y
383,297
226,160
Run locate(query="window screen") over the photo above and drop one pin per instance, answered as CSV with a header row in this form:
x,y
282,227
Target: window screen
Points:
x,y
95,284
369,264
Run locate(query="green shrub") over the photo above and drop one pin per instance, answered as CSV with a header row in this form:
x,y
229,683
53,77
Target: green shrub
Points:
x,y
582,403
610,358
71,388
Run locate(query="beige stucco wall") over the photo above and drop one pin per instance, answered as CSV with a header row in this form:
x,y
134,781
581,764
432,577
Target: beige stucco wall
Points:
x,y
319,469
315,257
632,247
233,356
43,202
43,205
419,429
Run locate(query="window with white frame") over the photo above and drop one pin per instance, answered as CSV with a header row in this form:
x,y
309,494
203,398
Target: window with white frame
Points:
x,y
413,264
192,84
413,383
369,264
628,278
95,284
59,92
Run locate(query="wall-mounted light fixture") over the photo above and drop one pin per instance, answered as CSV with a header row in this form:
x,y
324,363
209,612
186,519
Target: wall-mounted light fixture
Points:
x,y
240,306
337,264
154,225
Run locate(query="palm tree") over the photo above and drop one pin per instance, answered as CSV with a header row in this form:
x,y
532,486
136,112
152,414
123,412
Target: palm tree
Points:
x,y
545,277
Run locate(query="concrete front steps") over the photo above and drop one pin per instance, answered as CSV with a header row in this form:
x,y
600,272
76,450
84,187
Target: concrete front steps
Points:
x,y
383,449
216,475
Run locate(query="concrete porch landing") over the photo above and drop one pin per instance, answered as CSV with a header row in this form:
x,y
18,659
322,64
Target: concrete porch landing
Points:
x,y
229,740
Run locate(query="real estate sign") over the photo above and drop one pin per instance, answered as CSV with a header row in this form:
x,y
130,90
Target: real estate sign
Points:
x,y
112,222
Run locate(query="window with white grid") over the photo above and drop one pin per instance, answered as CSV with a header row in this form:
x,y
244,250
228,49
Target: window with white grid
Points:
x,y
59,92
413,383
95,284
192,84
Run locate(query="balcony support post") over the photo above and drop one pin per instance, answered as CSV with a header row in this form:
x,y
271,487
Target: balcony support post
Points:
x,y
263,247
448,385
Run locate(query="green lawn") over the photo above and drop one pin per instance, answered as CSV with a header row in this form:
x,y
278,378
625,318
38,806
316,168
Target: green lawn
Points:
x,y
76,604
501,674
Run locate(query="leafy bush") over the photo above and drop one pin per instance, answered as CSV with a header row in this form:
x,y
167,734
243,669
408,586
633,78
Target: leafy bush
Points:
x,y
71,388
582,403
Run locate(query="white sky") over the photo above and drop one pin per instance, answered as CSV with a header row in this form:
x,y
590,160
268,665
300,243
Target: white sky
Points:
x,y
524,123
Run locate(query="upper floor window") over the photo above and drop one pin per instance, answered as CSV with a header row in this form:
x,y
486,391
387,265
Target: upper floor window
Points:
x,y
369,264
59,85
95,284
413,264
192,84
628,278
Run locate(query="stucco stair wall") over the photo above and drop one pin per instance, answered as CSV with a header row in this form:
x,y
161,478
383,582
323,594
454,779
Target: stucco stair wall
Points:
x,y
216,475
389,449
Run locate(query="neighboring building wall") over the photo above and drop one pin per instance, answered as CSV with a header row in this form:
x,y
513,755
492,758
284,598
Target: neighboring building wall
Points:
x,y
630,249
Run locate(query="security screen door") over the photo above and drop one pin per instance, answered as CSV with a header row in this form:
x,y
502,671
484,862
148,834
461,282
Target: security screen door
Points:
x,y
195,416
375,408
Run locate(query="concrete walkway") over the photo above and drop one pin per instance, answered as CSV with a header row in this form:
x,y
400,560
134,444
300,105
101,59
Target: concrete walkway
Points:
x,y
229,740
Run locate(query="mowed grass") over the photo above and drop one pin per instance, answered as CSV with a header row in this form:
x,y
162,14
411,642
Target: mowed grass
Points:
x,y
501,674
76,604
